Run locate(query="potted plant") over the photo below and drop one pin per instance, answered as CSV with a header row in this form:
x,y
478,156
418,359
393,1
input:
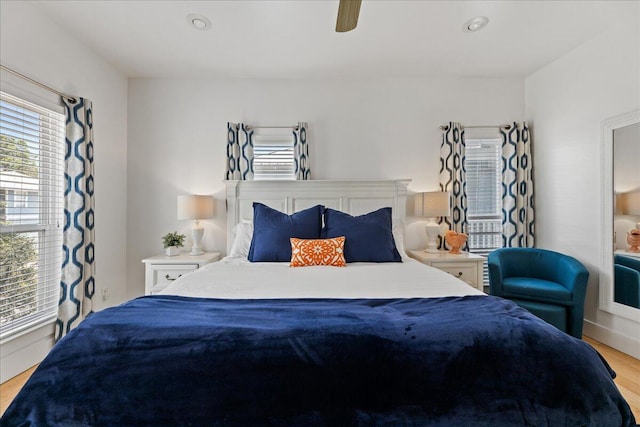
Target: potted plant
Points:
x,y
172,243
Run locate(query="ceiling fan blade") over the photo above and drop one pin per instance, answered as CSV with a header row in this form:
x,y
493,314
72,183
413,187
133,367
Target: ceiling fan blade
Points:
x,y
348,12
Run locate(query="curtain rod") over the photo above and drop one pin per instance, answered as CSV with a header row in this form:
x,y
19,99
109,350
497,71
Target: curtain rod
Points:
x,y
507,127
273,127
37,83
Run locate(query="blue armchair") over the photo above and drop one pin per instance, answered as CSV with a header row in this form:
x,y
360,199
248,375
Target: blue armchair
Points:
x,y
549,284
627,280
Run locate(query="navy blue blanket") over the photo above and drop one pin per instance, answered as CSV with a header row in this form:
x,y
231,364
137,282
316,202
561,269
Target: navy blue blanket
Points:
x,y
458,361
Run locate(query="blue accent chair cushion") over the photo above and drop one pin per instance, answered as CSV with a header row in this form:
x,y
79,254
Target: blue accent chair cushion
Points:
x,y
272,230
627,280
369,237
549,284
532,287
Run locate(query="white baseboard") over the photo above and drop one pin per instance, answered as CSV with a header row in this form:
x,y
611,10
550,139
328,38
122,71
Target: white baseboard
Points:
x,y
613,339
24,351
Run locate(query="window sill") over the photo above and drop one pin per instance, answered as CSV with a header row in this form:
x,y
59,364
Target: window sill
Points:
x,y
27,329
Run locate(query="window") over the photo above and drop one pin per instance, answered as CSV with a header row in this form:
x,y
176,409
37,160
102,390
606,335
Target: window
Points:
x,y
273,157
31,212
483,157
22,199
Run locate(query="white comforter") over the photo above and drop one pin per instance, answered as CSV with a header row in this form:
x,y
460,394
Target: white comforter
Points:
x,y
239,279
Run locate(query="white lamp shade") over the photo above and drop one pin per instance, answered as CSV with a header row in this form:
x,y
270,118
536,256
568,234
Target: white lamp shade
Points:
x,y
195,207
433,204
628,203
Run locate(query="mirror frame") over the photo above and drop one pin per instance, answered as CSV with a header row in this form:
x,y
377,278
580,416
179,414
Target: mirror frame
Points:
x,y
606,301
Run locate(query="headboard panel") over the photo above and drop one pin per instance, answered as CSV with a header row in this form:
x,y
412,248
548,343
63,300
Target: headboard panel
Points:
x,y
352,197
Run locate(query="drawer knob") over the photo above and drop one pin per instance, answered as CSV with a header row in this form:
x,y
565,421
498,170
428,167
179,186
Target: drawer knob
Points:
x,y
180,275
459,274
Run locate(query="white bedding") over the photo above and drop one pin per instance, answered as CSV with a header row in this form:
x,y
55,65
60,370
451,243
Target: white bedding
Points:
x,y
233,278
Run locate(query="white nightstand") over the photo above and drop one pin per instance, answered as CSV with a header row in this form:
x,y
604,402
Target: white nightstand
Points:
x,y
162,270
465,266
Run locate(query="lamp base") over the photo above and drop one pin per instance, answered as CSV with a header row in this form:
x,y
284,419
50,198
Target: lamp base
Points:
x,y
196,235
433,230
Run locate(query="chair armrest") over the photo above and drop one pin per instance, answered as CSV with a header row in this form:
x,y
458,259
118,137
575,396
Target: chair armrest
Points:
x,y
627,261
495,274
626,286
574,276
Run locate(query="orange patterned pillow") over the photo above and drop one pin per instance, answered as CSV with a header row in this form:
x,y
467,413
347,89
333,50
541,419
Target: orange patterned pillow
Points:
x,y
306,252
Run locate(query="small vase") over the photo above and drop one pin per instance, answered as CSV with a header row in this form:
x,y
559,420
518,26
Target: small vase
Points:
x,y
172,251
455,241
633,239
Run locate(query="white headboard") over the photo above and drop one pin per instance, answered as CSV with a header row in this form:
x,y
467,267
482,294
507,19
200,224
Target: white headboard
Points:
x,y
352,197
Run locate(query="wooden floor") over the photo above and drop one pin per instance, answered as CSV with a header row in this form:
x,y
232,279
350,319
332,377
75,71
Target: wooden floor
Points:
x,y
9,389
627,368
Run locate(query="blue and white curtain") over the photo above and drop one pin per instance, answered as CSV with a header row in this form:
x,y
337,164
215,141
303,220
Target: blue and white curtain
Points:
x,y
77,282
517,187
239,152
301,152
452,176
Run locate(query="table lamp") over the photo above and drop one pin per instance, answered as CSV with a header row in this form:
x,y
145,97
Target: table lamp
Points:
x,y
432,205
628,203
195,207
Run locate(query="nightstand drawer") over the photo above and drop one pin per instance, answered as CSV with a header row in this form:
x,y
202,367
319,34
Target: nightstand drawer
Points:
x,y
162,270
164,275
465,266
465,272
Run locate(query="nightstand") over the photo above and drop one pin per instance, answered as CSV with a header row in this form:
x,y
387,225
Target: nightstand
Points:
x,y
162,270
465,266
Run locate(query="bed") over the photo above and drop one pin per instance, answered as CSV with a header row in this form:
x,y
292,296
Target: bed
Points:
x,y
242,343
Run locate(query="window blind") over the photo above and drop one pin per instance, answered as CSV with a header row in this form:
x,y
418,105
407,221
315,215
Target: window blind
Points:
x,y
273,159
31,213
483,164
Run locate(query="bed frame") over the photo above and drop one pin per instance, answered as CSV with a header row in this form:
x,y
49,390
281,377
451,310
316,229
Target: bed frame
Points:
x,y
319,361
352,197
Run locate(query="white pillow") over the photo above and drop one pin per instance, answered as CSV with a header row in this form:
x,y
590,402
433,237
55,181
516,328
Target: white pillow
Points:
x,y
242,241
398,236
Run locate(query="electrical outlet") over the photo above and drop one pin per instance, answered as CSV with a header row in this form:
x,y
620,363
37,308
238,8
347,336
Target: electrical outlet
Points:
x,y
105,294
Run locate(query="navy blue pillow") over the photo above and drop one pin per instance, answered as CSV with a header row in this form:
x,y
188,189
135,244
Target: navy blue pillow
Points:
x,y
369,237
272,230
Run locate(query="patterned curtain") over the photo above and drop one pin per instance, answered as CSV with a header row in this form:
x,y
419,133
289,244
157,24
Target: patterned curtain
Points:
x,y
239,152
517,187
77,282
452,176
301,152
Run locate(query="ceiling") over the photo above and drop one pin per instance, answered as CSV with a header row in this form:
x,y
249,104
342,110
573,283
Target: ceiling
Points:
x,y
296,38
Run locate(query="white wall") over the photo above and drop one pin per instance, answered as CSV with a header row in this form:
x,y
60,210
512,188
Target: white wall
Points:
x,y
566,102
33,45
360,129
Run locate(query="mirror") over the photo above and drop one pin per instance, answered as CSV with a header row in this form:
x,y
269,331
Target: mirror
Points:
x,y
621,210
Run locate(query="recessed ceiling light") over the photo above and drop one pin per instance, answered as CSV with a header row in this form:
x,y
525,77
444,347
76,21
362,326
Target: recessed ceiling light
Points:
x,y
475,24
199,22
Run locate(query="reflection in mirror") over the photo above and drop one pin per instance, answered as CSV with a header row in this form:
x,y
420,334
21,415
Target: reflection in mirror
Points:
x,y
620,182
626,215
